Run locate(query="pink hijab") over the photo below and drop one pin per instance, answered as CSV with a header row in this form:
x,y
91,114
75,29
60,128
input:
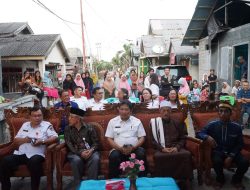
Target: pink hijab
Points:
x,y
184,88
79,82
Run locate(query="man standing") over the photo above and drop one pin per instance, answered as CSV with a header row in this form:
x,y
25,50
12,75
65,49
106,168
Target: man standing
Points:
x,y
171,158
166,82
80,100
243,67
225,138
82,141
31,141
65,103
125,135
212,79
97,103
147,79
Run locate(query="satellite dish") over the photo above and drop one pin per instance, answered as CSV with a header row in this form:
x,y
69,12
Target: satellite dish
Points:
x,y
157,49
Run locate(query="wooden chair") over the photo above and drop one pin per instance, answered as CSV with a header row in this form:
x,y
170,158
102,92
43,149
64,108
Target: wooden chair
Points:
x,y
15,121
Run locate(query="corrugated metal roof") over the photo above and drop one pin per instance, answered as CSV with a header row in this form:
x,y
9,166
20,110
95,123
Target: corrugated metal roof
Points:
x,y
149,42
170,28
28,45
13,28
199,20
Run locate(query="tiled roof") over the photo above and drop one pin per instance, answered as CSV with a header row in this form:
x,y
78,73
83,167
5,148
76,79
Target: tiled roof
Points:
x,y
14,28
28,45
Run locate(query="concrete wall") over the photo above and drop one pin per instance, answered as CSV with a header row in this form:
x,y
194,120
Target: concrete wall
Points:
x,y
204,58
222,54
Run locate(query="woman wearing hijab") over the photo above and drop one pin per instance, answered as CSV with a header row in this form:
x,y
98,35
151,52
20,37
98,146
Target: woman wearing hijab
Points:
x,y
69,84
88,82
226,89
79,82
204,79
184,90
123,83
49,87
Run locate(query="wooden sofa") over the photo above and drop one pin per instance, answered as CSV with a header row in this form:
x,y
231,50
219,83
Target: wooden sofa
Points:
x,y
100,119
15,121
201,116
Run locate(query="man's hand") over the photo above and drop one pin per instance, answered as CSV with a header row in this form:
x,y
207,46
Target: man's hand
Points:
x,y
38,143
86,154
20,141
127,150
211,142
170,150
228,162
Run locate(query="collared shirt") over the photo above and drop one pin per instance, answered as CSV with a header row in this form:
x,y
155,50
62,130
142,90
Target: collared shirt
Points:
x,y
153,104
244,94
44,131
125,132
74,138
96,105
82,102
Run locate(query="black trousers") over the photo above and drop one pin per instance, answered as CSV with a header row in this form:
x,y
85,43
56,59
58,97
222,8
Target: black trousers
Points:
x,y
10,163
116,157
218,163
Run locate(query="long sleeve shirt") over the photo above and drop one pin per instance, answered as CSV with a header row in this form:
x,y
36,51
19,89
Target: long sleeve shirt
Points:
x,y
228,136
76,139
174,135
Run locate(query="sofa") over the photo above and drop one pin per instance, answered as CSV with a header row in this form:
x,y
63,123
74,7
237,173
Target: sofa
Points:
x,y
100,119
15,121
201,115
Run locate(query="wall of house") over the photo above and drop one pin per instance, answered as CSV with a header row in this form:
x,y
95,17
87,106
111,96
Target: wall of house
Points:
x,y
56,56
204,58
20,64
222,56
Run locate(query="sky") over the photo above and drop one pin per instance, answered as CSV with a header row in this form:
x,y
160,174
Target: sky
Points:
x,y
108,23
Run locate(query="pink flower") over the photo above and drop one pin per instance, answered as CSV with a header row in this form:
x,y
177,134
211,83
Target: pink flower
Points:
x,y
137,161
123,166
133,155
141,168
132,165
141,162
127,163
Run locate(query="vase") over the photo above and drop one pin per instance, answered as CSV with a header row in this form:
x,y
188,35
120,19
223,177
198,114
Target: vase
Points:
x,y
132,181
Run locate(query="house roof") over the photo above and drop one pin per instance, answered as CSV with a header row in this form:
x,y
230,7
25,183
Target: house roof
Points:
x,y
74,52
183,50
31,45
170,28
149,43
238,14
14,28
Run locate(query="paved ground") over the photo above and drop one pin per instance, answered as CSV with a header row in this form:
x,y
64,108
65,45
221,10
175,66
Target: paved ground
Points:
x,y
24,184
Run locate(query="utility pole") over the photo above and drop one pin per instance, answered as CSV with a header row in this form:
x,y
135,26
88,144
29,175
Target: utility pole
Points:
x,y
83,41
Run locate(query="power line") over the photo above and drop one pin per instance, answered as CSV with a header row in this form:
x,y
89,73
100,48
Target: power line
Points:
x,y
38,2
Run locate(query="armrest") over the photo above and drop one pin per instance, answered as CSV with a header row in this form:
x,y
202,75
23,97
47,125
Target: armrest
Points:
x,y
194,146
7,150
60,146
5,145
246,139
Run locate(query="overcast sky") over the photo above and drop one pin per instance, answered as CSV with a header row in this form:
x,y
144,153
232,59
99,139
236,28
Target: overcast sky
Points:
x,y
108,22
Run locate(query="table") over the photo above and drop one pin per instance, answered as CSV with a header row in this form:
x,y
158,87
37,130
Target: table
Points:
x,y
143,183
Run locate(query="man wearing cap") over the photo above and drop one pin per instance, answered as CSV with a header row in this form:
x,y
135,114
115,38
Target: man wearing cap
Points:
x,y
225,138
171,159
125,135
82,141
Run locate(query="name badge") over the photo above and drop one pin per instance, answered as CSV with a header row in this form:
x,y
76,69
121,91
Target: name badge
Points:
x,y
117,127
25,130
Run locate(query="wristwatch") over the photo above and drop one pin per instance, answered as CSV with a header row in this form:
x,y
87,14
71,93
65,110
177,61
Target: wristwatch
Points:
x,y
43,141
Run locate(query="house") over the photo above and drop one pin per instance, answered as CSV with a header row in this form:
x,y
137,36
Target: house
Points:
x,y
76,61
222,32
160,46
22,50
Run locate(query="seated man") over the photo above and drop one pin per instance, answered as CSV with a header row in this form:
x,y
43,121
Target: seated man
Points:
x,y
171,158
125,135
82,141
80,100
97,103
226,140
65,103
31,141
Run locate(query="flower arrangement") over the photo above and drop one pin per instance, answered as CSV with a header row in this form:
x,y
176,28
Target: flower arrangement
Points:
x,y
133,166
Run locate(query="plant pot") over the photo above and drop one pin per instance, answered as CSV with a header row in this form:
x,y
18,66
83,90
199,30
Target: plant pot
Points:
x,y
132,181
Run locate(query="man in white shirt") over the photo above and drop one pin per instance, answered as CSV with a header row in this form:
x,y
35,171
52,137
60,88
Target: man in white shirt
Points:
x,y
31,141
97,103
147,79
81,101
125,135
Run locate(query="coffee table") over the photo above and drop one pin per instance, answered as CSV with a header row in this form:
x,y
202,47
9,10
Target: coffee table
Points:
x,y
143,183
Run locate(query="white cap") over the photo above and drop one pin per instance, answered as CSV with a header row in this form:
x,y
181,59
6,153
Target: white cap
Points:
x,y
165,103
